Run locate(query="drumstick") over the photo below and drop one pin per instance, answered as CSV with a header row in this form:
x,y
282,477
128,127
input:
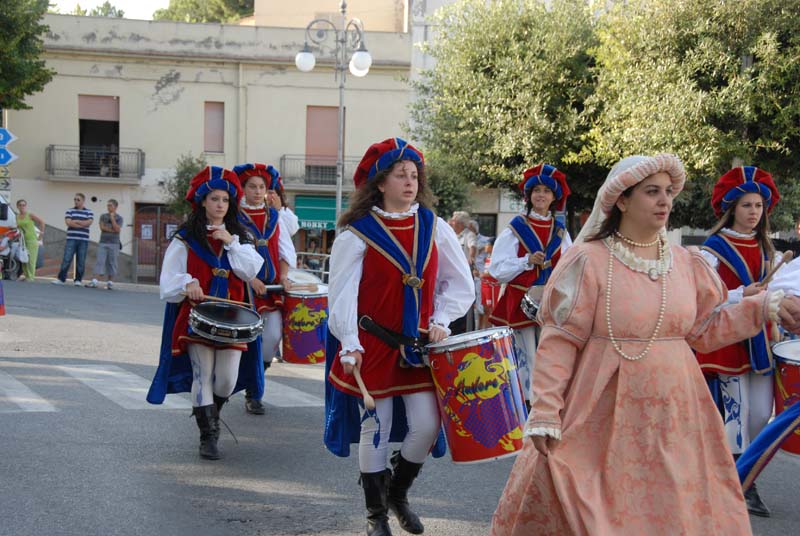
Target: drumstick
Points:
x,y
786,257
225,300
369,402
309,287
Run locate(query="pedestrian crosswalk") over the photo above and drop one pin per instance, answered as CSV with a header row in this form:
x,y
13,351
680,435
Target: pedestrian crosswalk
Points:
x,y
128,390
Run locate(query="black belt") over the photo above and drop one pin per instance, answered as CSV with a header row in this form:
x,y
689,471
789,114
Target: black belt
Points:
x,y
392,338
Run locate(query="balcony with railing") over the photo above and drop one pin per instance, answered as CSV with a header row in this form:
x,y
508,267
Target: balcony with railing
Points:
x,y
314,172
94,163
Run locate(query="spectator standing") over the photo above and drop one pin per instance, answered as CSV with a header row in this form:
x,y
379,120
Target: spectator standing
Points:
x,y
78,220
109,246
27,222
468,240
477,268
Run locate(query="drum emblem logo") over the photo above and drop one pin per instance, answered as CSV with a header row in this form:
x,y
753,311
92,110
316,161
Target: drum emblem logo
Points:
x,y
306,332
478,399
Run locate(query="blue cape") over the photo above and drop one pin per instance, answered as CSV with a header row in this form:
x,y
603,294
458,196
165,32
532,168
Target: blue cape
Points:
x,y
343,414
530,241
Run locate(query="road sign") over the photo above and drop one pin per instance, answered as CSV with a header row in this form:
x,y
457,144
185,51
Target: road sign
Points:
x,y
6,156
6,136
5,184
4,172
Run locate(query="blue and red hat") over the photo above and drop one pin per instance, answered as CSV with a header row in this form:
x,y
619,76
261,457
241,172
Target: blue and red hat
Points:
x,y
549,176
382,156
213,178
743,180
271,176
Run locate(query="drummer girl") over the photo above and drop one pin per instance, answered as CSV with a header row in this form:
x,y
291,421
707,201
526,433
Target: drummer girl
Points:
x,y
524,256
739,248
274,245
398,277
210,254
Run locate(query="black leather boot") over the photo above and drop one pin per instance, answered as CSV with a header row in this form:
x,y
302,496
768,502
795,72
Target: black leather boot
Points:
x,y
252,405
208,423
754,503
397,496
219,402
375,485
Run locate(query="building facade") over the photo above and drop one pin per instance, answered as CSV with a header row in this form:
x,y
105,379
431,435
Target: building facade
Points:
x,y
130,97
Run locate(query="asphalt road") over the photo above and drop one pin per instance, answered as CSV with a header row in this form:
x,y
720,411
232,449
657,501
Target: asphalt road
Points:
x,y
80,458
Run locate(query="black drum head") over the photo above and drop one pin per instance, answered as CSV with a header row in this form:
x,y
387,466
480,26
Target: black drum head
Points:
x,y
227,313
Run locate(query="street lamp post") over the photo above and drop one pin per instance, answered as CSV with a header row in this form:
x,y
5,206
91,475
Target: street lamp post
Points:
x,y
350,38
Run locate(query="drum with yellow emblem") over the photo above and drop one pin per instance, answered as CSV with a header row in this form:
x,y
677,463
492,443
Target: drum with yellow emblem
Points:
x,y
480,395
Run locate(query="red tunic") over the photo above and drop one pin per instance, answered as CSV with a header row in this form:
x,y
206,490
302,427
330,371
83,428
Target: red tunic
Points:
x,y
507,311
272,300
734,360
202,272
380,296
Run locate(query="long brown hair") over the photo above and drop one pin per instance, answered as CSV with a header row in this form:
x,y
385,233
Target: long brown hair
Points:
x,y
762,228
611,223
368,195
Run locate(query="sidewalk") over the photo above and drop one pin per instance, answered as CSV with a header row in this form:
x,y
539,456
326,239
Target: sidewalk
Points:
x,y
101,285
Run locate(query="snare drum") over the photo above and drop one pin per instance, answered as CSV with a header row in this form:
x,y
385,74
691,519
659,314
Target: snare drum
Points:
x,y
305,320
225,322
480,396
787,385
531,301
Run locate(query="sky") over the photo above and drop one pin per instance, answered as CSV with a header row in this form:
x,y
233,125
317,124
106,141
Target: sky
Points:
x,y
134,9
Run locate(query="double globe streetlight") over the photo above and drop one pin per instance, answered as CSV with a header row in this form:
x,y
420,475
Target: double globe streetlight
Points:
x,y
350,38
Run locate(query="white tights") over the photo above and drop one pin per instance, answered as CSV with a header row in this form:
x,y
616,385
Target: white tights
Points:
x,y
271,336
422,415
748,406
214,373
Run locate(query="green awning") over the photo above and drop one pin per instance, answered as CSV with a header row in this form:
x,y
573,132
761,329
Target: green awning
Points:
x,y
316,211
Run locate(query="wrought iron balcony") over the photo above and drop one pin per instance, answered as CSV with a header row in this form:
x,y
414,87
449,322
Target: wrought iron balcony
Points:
x,y
94,162
314,171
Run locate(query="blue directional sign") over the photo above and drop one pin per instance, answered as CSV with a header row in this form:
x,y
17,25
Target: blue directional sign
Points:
x,y
6,137
6,156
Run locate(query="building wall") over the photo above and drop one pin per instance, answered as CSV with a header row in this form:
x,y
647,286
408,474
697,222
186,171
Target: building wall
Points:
x,y
162,73
377,15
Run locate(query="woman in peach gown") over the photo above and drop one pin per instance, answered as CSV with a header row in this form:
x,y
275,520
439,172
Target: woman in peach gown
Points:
x,y
624,436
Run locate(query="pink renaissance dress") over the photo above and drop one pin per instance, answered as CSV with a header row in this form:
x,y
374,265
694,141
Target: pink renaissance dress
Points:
x,y
643,449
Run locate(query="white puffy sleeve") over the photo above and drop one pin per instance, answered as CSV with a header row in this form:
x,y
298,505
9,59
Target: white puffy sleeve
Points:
x,y
286,249
455,287
288,220
346,268
787,278
174,276
506,264
245,260
566,242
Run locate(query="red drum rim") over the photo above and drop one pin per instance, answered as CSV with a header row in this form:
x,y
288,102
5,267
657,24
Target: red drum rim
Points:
x,y
787,352
465,340
489,459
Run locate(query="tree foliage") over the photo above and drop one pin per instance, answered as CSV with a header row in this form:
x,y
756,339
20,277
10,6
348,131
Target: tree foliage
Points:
x,y
676,75
516,83
507,90
177,184
104,10
205,10
22,71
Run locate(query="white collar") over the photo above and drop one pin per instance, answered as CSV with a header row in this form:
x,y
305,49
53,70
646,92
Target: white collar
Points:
x,y
244,204
536,216
737,234
638,264
215,227
397,215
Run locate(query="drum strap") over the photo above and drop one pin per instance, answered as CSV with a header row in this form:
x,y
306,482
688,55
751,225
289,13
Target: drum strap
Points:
x,y
392,338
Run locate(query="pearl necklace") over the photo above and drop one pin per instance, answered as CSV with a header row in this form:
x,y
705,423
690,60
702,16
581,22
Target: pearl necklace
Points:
x,y
637,244
661,311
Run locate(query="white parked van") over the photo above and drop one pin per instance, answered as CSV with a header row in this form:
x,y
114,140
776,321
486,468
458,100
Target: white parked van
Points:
x,y
8,219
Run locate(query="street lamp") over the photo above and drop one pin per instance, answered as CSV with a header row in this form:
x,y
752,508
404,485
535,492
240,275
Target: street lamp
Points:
x,y
350,38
